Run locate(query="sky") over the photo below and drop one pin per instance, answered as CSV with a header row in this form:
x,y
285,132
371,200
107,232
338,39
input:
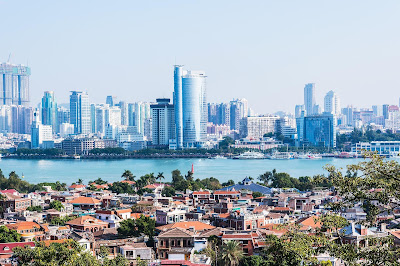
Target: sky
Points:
x,y
264,51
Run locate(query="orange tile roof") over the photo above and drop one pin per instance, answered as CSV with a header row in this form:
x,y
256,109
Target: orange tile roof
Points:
x,y
124,211
85,200
129,182
23,225
309,222
48,242
201,193
221,192
198,226
77,186
178,202
86,220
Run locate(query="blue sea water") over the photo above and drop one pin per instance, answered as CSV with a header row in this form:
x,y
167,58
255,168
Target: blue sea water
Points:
x,y
69,171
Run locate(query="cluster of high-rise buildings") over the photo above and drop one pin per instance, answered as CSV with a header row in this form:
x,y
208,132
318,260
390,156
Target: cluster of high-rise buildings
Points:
x,y
187,120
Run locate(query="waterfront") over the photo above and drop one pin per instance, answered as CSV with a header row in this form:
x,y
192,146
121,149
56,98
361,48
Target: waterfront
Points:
x,y
68,171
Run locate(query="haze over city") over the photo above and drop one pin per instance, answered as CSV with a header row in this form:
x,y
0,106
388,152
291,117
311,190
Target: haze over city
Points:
x,y
262,51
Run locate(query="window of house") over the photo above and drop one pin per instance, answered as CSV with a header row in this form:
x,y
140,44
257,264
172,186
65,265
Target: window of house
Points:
x,y
179,242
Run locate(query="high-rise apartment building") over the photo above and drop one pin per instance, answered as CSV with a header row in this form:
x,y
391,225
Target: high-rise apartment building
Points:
x,y
124,113
257,126
190,107
332,103
80,112
40,134
298,110
219,113
21,119
49,110
309,98
163,122
14,84
238,111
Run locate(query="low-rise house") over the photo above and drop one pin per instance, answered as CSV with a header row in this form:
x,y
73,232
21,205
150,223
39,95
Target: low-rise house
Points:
x,y
167,216
133,251
87,223
175,244
12,201
77,187
358,234
85,203
30,231
6,251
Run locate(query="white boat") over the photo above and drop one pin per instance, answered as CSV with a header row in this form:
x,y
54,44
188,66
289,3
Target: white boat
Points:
x,y
281,156
309,156
249,155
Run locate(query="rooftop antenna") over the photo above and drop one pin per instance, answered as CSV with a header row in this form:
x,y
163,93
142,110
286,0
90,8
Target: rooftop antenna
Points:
x,y
9,56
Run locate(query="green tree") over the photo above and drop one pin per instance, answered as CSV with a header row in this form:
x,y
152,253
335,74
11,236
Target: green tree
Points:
x,y
120,188
57,205
168,191
127,175
252,261
135,227
9,235
35,208
231,253
257,194
160,176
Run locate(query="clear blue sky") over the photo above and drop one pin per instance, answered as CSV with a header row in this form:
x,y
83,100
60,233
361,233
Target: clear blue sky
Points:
x,y
264,51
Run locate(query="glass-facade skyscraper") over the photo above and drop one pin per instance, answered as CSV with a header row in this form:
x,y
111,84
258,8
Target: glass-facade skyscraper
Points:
x,y
190,105
320,130
49,110
309,98
14,84
80,112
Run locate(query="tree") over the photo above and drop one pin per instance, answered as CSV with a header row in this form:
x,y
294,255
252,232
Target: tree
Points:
x,y
35,208
100,181
57,205
252,261
257,194
226,142
231,253
80,181
168,191
229,183
160,176
61,220
9,235
121,188
127,175
135,227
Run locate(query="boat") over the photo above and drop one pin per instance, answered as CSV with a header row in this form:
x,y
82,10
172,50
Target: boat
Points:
x,y
249,155
217,157
309,156
281,156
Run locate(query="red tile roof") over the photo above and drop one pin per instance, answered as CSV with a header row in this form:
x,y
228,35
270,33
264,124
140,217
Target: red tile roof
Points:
x,y
85,200
7,248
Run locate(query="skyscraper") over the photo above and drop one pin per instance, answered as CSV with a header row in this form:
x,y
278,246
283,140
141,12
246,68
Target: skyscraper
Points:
x,y
320,130
49,110
163,122
238,111
14,84
298,110
309,98
80,112
111,100
332,103
190,107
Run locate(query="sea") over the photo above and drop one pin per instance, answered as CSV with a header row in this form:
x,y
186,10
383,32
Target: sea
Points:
x,y
70,170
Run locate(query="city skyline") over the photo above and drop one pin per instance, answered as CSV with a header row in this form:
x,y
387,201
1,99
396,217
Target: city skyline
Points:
x,y
288,49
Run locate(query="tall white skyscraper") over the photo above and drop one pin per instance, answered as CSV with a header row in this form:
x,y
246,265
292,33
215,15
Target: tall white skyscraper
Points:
x,y
309,98
332,103
190,107
163,122
80,112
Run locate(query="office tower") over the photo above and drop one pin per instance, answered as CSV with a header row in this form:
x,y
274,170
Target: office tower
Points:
x,y
111,100
332,103
49,110
62,117
141,117
320,130
113,116
21,119
124,113
40,134
298,109
309,98
385,111
238,111
190,107
224,114
163,122
66,129
131,114
257,126
80,112
5,119
212,113
348,113
14,84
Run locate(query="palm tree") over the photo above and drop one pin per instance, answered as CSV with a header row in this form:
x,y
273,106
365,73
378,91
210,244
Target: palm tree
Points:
x,y
128,175
160,176
231,253
80,181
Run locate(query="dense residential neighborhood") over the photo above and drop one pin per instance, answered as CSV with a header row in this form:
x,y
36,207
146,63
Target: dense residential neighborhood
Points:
x,y
149,222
